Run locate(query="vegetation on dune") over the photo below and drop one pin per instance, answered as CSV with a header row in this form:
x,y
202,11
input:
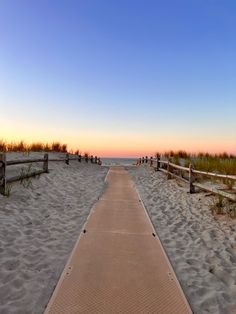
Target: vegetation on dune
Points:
x,y
33,147
216,164
220,163
222,206
26,173
38,147
180,154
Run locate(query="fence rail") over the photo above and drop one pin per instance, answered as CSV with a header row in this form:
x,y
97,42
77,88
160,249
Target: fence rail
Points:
x,y
29,175
216,175
5,163
23,161
168,170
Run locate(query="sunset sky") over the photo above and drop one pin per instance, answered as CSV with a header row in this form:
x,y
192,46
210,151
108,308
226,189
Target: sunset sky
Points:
x,y
119,78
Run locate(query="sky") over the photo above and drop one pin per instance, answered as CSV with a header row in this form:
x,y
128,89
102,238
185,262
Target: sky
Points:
x,y
119,78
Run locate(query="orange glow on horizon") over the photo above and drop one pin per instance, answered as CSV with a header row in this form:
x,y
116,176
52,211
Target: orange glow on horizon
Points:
x,y
118,144
131,149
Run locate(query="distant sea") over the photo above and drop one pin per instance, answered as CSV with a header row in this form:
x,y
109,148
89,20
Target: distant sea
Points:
x,y
118,161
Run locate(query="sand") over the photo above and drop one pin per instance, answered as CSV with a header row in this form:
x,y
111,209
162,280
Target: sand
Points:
x,y
40,224
202,249
39,227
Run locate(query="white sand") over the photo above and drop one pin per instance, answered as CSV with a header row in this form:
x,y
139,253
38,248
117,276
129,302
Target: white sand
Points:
x,y
40,225
38,229
201,249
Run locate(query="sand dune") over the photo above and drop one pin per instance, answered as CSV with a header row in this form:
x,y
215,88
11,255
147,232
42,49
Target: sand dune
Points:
x,y
40,224
39,227
202,249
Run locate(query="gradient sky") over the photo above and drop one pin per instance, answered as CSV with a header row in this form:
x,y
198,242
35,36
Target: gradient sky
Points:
x,y
119,78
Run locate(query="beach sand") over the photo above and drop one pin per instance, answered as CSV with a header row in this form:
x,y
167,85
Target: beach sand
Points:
x,y
40,224
39,227
202,249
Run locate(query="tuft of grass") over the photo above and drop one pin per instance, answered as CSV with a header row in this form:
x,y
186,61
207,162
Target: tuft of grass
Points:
x,y
182,154
187,162
26,182
17,146
229,183
3,146
8,190
56,147
37,147
64,148
221,206
231,210
47,147
217,205
175,159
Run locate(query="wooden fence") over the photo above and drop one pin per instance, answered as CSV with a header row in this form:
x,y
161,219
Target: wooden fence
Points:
x,y
168,167
4,163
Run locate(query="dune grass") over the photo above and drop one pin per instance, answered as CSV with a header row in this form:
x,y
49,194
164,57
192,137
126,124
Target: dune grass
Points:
x,y
218,164
32,147
222,206
26,148
222,163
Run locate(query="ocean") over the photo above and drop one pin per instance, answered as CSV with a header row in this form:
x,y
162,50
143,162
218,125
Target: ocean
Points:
x,y
118,161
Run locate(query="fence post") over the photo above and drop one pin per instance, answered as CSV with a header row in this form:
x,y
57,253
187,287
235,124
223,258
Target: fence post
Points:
x,y
45,163
191,179
3,174
67,159
151,161
158,164
168,170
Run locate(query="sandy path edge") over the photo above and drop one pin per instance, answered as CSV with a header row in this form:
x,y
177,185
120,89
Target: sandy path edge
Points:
x,y
39,227
201,249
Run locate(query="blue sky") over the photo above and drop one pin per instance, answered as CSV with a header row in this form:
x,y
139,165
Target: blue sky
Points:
x,y
119,76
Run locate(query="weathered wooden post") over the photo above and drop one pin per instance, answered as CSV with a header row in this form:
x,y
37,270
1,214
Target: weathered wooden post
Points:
x,y
151,161
168,169
67,159
3,174
45,163
191,179
158,164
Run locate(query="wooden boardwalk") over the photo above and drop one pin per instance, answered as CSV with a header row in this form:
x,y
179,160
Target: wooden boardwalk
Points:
x,y
118,264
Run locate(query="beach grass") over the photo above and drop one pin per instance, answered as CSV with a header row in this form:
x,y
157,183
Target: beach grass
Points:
x,y
222,163
25,148
22,146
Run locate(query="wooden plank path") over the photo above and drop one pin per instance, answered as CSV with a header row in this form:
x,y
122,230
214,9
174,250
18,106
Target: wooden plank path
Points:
x,y
118,265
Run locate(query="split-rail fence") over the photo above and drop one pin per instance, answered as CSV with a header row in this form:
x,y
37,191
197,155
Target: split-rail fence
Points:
x,y
168,167
4,163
